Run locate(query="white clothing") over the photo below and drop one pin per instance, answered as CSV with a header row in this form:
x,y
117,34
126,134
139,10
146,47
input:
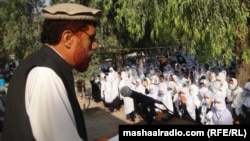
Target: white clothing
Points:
x,y
48,107
194,91
153,91
139,88
189,102
108,97
190,106
103,88
202,92
168,101
237,100
165,97
221,114
128,102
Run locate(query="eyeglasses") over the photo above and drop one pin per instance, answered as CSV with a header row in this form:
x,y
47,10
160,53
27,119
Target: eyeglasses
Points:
x,y
91,37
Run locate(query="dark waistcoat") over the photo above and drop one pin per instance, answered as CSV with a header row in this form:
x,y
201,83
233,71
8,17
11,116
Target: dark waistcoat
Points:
x,y
16,125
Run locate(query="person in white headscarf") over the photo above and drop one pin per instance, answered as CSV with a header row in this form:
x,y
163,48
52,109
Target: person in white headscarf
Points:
x,y
203,88
111,97
204,114
140,73
235,101
152,89
185,79
165,95
112,74
167,70
216,85
139,87
175,85
108,94
211,77
128,102
234,90
246,104
185,106
177,80
221,114
151,86
199,74
194,91
150,72
221,77
134,74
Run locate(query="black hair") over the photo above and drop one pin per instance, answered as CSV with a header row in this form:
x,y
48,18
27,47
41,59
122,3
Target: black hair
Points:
x,y
53,29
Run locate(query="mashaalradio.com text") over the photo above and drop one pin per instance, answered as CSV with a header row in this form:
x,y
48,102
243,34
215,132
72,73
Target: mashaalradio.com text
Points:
x,y
159,132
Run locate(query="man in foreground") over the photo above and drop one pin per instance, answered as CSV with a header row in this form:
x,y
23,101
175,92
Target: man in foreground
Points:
x,y
41,99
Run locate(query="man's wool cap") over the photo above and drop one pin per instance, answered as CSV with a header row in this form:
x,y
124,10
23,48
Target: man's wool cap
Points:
x,y
71,11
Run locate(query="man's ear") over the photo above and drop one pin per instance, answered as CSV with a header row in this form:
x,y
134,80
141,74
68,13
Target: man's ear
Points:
x,y
67,38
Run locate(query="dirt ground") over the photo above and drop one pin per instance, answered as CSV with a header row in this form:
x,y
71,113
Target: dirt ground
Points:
x,y
98,121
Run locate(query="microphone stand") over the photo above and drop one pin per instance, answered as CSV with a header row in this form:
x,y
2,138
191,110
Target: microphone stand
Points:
x,y
148,113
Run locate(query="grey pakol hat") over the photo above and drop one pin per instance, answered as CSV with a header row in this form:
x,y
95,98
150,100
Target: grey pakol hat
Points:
x,y
71,11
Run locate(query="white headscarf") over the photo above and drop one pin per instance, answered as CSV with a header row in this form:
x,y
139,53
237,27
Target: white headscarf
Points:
x,y
189,102
213,76
209,97
139,87
234,85
221,115
219,104
194,91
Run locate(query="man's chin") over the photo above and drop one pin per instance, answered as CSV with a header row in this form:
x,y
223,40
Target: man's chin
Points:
x,y
83,67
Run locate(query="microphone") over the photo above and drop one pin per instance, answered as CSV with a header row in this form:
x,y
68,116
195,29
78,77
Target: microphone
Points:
x,y
126,91
145,105
138,97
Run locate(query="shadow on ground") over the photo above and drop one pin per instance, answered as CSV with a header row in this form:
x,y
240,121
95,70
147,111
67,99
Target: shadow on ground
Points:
x,y
99,123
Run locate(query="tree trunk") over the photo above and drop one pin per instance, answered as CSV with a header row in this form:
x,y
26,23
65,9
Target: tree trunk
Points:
x,y
118,61
243,74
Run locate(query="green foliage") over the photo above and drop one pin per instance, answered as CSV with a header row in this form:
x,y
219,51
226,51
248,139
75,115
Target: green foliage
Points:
x,y
20,27
214,28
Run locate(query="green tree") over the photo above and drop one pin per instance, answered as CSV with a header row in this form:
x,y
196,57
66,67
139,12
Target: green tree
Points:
x,y
216,30
20,27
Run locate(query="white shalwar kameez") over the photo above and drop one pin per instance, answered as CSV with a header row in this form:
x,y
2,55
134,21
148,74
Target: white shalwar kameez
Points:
x,y
47,105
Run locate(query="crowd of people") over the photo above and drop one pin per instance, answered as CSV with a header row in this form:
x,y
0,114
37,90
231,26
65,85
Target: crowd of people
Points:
x,y
194,93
